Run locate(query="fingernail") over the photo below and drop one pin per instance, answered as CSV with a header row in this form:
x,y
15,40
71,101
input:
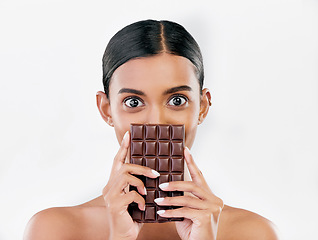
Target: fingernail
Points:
x,y
145,190
125,138
158,200
161,212
164,185
155,172
144,208
187,153
126,135
187,149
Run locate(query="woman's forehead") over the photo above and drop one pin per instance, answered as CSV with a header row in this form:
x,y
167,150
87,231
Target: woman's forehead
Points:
x,y
154,73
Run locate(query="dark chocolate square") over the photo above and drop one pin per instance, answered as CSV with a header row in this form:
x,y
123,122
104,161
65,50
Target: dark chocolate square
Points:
x,y
150,213
137,149
150,183
163,164
136,160
151,195
164,132
163,194
176,148
163,178
151,132
150,148
177,177
177,132
137,132
150,162
164,149
176,164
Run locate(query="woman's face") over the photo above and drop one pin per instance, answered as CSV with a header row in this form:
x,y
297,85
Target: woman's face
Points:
x,y
161,89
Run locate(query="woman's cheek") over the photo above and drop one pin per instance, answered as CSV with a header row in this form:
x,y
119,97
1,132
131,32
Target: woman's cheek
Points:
x,y
121,123
191,124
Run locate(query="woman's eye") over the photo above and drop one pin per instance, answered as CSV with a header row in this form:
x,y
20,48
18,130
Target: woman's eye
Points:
x,y
133,102
177,101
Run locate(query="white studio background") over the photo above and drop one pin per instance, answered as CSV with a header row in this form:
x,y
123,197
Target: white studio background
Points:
x,y
258,147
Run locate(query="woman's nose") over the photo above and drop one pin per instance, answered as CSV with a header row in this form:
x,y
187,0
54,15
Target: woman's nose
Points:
x,y
156,115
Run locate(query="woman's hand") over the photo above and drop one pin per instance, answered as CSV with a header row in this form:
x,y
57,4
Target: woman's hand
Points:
x,y
201,209
121,225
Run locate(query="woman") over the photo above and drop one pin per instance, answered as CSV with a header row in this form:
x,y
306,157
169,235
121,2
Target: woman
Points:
x,y
152,73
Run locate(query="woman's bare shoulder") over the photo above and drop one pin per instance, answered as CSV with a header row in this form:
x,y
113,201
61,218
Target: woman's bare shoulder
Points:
x,y
237,223
51,223
65,222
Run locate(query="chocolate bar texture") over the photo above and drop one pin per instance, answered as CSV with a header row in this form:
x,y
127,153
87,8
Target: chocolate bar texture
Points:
x,y
159,147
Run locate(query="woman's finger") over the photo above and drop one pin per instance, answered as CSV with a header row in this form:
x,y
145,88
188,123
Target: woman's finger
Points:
x,y
195,173
185,186
197,216
122,152
133,196
185,201
139,170
121,203
127,179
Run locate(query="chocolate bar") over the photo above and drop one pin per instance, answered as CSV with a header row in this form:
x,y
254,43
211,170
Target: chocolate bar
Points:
x,y
159,147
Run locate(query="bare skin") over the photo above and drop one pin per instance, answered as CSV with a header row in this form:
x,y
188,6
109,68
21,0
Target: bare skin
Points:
x,y
159,89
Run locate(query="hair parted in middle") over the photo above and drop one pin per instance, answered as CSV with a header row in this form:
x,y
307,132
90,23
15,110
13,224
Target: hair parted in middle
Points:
x,y
147,38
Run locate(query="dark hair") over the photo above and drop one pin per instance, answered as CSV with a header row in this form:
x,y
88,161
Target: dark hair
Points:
x,y
146,38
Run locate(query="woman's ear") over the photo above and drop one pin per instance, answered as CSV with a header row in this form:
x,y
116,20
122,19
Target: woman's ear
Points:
x,y
103,106
204,105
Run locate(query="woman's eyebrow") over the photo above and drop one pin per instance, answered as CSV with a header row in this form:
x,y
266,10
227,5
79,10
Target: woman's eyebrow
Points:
x,y
168,91
177,89
130,90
